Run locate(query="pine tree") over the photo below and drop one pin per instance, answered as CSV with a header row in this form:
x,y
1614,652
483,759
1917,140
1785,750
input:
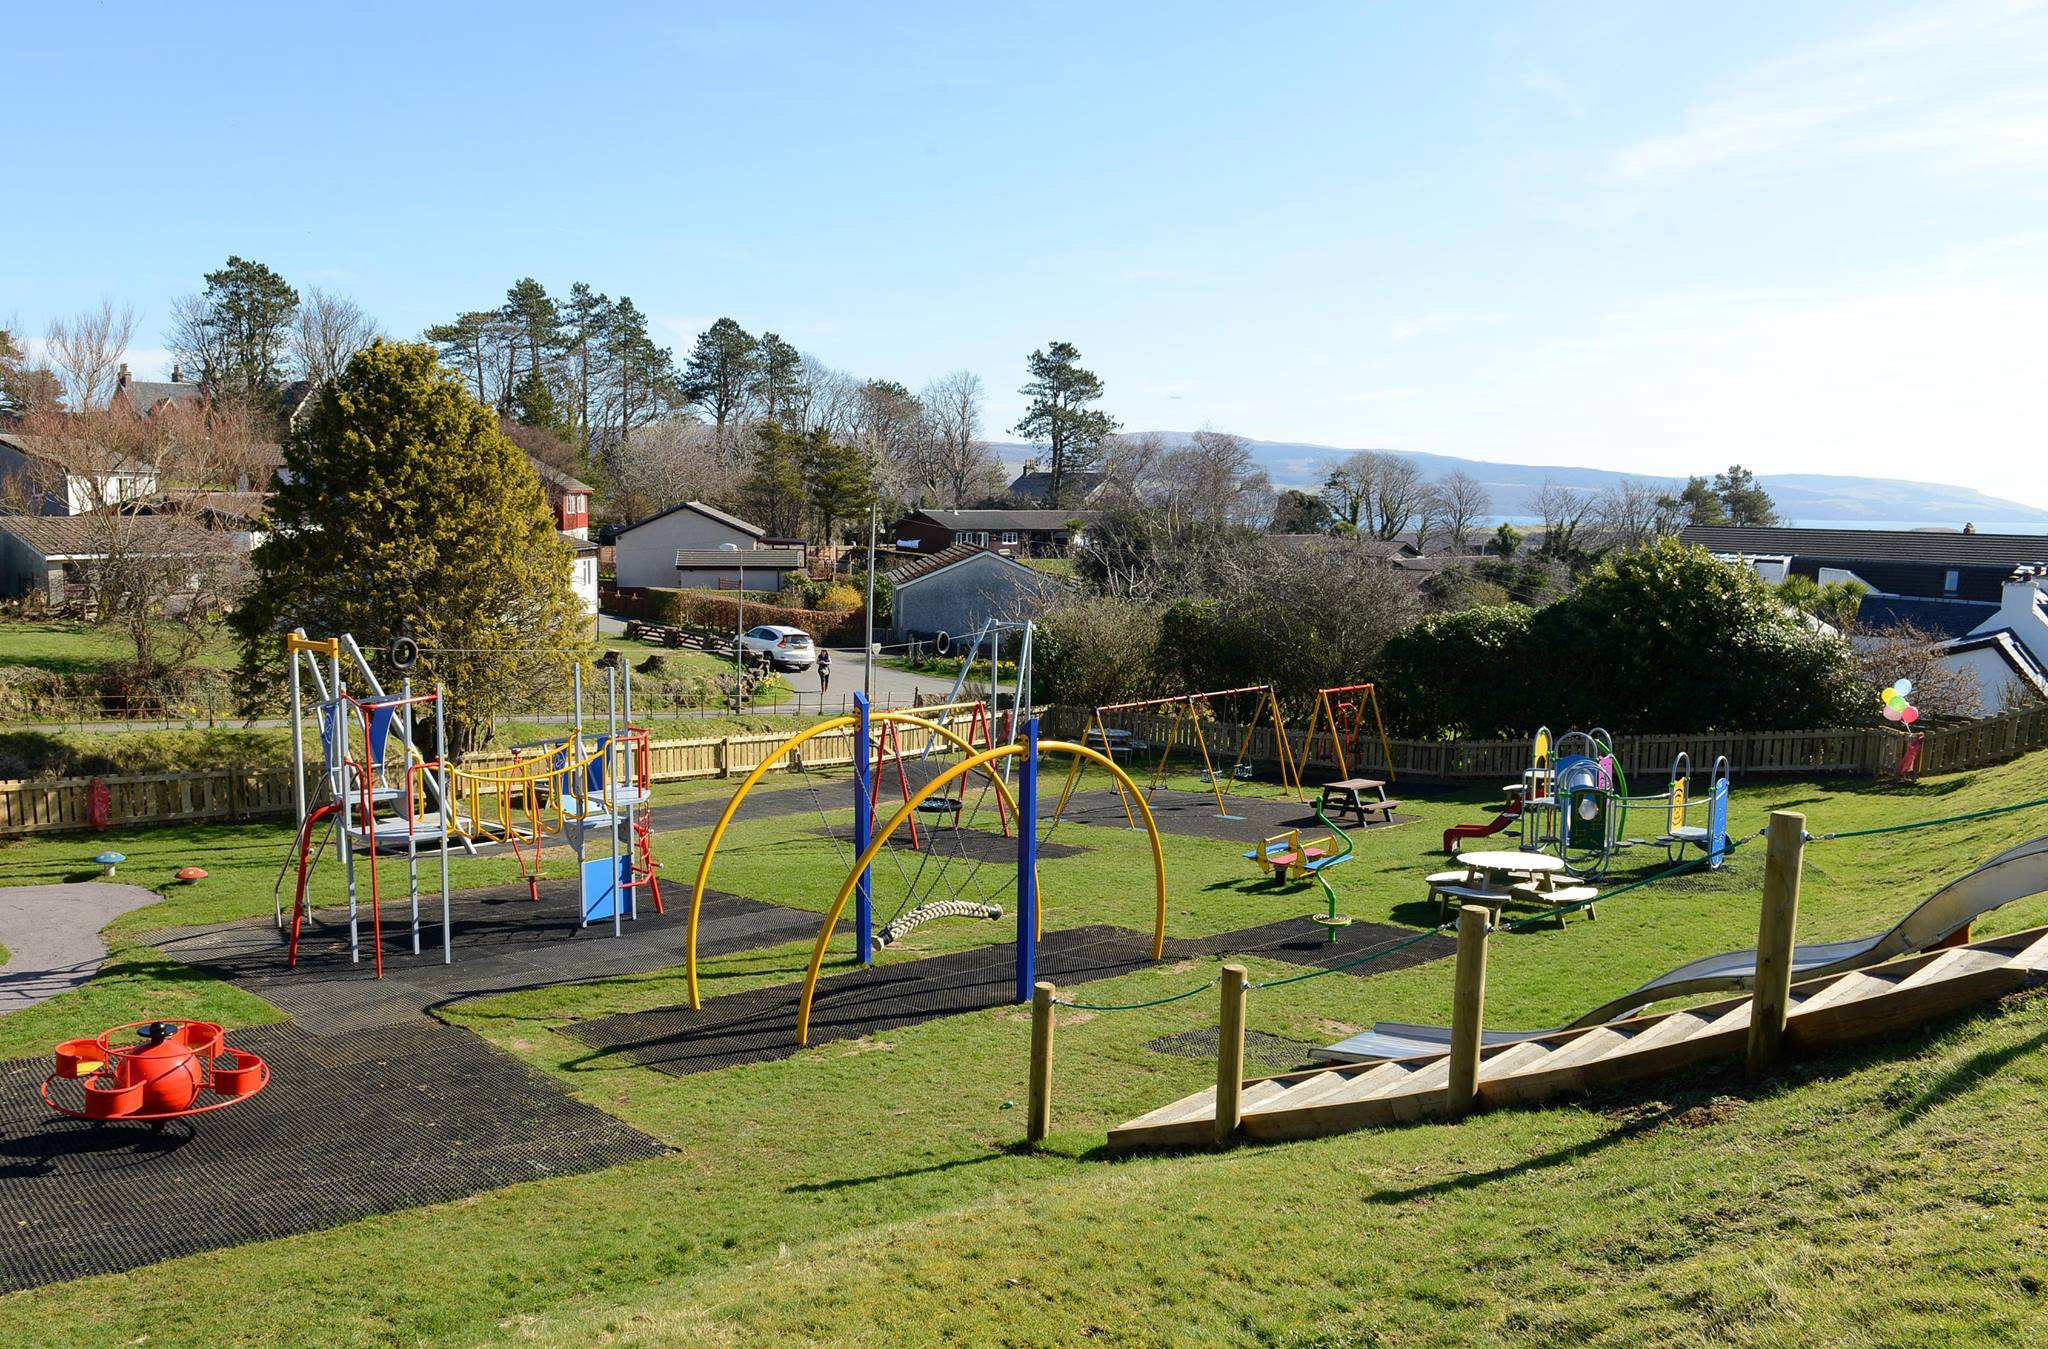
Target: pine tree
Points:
x,y
1743,498
1059,418
405,511
838,479
778,374
720,372
237,334
773,491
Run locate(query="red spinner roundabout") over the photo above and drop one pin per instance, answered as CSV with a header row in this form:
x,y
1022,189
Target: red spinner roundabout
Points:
x,y
151,1072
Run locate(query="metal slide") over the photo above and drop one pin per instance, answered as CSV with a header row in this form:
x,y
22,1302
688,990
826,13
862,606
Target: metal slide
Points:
x,y
2014,874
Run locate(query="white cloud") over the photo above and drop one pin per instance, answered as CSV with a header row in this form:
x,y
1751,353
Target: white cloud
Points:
x,y
1913,85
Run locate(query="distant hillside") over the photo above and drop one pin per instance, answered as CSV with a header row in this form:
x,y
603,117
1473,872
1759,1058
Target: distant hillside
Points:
x,y
1803,498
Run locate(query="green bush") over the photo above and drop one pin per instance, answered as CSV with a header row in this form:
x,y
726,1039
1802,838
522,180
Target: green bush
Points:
x,y
1462,674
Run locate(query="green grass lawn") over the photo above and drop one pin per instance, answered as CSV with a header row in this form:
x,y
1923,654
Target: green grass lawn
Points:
x,y
871,1192
66,647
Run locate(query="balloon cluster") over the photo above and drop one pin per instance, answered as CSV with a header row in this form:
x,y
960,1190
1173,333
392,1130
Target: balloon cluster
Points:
x,y
1896,708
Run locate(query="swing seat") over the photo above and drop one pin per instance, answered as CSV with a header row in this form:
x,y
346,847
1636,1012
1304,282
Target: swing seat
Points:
x,y
940,805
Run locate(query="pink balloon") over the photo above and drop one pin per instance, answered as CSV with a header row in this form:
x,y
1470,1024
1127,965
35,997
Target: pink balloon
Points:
x,y
1893,714
1910,715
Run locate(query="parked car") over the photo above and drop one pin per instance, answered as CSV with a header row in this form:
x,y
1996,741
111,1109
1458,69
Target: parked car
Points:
x,y
783,648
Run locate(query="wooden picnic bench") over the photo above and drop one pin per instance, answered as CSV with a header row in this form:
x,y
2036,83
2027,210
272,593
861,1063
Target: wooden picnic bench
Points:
x,y
1349,794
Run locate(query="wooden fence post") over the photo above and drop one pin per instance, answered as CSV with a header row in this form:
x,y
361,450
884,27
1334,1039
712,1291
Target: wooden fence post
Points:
x,y
1785,852
725,757
1039,1121
1230,1055
1468,1009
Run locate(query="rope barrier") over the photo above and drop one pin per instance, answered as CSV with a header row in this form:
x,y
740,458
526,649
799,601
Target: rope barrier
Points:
x,y
1928,824
1133,1006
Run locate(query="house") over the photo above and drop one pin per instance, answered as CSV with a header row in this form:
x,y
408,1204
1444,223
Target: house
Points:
x,y
693,546
1978,595
960,587
55,475
1023,533
147,398
1034,486
568,497
55,556
583,571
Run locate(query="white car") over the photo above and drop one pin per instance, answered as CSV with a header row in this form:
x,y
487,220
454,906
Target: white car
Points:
x,y
783,648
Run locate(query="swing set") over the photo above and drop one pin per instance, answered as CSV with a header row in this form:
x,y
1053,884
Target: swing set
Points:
x,y
1346,721
1189,708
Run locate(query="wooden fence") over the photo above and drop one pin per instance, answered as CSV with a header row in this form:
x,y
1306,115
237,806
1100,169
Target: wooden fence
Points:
x,y
53,806
62,804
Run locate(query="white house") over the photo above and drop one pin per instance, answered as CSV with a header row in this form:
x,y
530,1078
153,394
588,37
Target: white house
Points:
x,y
50,475
696,546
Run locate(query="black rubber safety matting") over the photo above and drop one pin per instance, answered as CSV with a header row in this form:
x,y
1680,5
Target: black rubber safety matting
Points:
x,y
1274,1053
1194,814
962,845
1303,941
349,1126
504,942
759,1025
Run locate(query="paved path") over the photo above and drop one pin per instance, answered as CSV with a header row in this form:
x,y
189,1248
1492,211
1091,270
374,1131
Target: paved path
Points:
x,y
52,934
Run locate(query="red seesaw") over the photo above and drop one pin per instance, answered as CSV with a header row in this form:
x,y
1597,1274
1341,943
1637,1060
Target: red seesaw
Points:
x,y
167,1069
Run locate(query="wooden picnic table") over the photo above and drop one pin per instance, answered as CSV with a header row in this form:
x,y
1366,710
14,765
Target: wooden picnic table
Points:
x,y
1111,740
1349,794
1497,870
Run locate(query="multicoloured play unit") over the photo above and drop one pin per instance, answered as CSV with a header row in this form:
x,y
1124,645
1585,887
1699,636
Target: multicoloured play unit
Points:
x,y
385,792
1574,802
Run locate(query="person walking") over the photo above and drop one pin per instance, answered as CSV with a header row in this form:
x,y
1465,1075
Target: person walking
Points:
x,y
824,673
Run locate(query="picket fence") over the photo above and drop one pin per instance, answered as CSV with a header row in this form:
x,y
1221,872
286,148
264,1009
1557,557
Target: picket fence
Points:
x,y
57,805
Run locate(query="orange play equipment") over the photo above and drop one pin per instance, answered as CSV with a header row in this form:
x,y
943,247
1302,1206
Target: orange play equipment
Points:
x,y
151,1072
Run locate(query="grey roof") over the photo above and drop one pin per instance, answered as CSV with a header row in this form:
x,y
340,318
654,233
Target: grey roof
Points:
x,y
948,558
929,562
1037,483
708,512
705,559
72,455
561,478
1943,618
581,547
1002,519
1932,546
144,396
87,536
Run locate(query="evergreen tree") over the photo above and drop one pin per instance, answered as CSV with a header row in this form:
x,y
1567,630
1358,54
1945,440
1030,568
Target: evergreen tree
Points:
x,y
778,377
1743,498
237,334
1059,419
535,322
405,511
586,320
839,480
773,491
721,372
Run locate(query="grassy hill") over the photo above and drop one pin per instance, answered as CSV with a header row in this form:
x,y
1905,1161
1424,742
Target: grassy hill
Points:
x,y
870,1192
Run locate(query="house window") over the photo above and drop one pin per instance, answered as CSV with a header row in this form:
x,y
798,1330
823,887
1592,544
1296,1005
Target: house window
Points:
x,y
1010,536
1949,581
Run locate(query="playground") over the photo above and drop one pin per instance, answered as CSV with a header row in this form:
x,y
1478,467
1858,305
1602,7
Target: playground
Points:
x,y
600,1141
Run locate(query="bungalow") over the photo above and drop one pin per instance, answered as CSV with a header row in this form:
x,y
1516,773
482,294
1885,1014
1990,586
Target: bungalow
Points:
x,y
1978,595
56,556
960,587
1029,533
56,475
1033,487
696,546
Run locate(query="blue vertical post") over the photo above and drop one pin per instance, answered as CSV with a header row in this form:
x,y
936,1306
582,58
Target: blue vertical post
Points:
x,y
1027,865
863,833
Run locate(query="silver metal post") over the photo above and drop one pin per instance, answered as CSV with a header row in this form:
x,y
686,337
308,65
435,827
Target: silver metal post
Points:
x,y
447,819
412,854
609,762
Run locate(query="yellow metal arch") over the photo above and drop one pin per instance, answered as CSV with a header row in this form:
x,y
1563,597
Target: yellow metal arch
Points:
x,y
761,770
980,760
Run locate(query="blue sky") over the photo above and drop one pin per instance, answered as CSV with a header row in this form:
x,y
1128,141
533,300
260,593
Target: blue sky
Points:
x,y
1660,237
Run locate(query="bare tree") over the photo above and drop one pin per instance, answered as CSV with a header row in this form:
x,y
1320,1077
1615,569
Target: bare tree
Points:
x,y
328,330
85,351
1398,490
955,465
1629,513
1431,509
673,460
1564,511
1464,503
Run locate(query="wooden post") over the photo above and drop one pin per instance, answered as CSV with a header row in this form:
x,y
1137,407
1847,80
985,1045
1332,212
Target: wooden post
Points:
x,y
1039,1122
1468,1008
1785,851
1230,1055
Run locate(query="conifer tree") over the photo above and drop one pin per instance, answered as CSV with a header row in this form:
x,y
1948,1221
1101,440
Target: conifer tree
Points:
x,y
405,511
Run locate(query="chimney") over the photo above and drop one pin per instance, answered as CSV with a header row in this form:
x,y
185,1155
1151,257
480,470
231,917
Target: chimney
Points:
x,y
121,381
176,374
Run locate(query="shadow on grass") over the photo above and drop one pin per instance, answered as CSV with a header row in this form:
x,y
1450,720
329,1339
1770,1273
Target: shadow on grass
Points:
x,y
846,1182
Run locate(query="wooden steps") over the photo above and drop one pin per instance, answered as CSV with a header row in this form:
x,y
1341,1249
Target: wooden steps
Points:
x,y
1834,1010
